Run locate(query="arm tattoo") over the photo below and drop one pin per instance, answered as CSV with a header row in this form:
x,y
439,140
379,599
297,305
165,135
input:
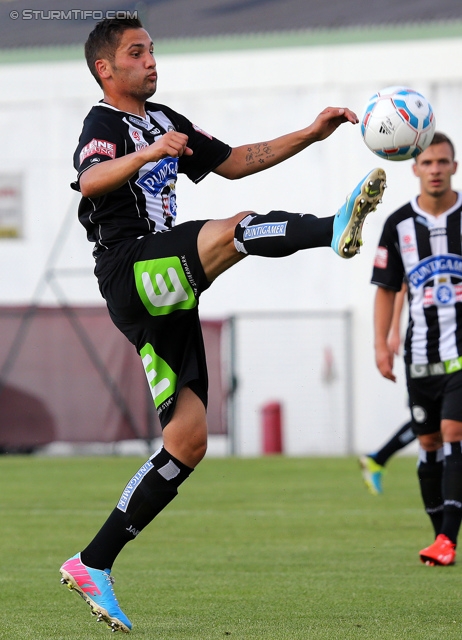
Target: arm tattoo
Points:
x,y
259,153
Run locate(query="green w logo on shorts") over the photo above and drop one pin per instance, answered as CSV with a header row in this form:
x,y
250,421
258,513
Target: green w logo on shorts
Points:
x,y
161,378
163,286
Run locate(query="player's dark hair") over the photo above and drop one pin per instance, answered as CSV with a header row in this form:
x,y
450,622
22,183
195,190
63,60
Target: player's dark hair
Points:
x,y
104,40
439,138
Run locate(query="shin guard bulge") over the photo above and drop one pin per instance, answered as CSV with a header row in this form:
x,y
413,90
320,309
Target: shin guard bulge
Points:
x,y
150,490
279,233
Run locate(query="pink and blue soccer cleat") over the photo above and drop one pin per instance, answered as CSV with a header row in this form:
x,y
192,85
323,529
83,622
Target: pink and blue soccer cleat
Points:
x,y
96,589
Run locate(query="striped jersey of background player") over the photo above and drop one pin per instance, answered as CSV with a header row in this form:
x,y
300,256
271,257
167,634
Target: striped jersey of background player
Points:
x,y
421,242
151,272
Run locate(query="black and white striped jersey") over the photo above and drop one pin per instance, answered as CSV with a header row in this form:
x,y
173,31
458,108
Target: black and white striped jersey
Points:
x,y
147,202
425,251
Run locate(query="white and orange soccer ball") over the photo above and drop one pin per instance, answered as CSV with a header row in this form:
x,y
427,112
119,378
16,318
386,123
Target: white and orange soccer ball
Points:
x,y
398,123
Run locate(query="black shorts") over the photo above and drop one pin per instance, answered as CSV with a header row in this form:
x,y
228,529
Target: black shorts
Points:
x,y
152,286
434,398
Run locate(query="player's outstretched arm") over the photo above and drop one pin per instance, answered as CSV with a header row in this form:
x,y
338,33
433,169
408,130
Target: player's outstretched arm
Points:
x,y
252,158
383,314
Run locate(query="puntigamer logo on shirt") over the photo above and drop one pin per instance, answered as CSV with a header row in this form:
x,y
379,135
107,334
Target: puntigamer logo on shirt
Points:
x,y
101,147
425,270
157,177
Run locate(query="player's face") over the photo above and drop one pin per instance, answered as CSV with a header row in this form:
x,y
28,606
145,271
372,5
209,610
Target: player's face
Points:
x,y
435,167
133,70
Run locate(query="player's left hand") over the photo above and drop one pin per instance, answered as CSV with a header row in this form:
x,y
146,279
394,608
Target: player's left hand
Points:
x,y
330,119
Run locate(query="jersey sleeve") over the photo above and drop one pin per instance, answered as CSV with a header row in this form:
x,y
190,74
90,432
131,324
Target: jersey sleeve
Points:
x,y
208,152
388,270
100,140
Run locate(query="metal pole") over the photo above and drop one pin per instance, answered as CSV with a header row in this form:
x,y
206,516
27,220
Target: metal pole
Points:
x,y
31,310
349,383
232,387
99,365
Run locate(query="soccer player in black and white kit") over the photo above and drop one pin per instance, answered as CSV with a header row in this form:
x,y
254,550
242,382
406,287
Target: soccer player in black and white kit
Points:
x,y
421,242
151,272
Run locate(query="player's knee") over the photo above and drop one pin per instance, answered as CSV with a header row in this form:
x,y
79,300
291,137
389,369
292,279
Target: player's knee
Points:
x,y
191,450
186,441
198,450
451,430
196,441
431,441
236,223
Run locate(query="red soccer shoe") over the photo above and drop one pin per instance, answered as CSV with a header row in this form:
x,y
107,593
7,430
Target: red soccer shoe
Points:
x,y
441,552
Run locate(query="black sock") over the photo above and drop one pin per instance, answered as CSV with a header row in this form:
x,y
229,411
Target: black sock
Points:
x,y
452,490
400,439
279,233
430,473
149,491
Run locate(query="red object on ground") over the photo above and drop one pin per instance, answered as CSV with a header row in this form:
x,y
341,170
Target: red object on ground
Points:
x,y
272,428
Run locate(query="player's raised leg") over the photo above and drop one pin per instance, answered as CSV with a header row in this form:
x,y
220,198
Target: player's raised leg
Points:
x,y
222,243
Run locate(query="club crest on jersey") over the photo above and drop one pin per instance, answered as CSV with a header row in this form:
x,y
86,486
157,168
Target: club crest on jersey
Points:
x,y
444,293
101,147
154,180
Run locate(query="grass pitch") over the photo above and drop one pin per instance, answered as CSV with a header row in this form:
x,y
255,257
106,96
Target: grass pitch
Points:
x,y
272,548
